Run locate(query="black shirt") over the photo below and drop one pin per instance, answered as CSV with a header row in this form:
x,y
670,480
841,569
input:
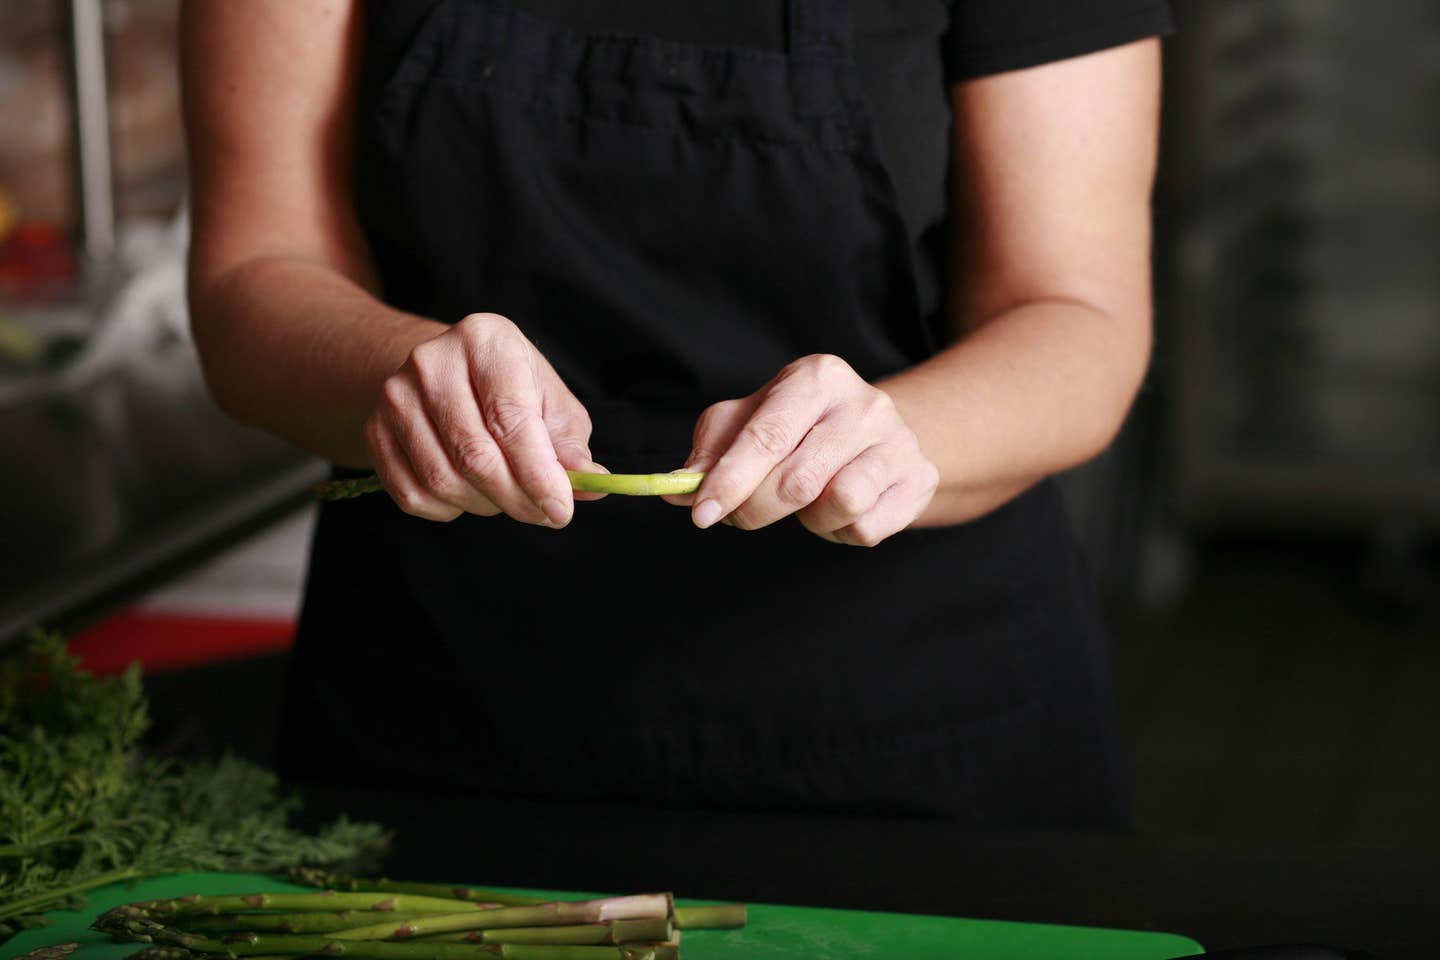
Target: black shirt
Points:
x,y
908,52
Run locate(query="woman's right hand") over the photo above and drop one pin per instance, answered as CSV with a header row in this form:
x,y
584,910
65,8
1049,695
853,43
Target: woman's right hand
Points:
x,y
477,421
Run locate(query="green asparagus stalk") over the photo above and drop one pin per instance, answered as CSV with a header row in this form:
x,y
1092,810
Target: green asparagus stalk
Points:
x,y
331,881
382,925
624,484
293,945
286,922
562,913
729,916
372,950
348,489
651,930
636,484
326,901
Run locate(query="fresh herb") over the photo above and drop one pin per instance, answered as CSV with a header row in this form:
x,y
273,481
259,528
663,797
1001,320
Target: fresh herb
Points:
x,y
81,806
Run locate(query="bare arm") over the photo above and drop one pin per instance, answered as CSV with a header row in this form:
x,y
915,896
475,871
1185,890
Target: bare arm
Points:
x,y
455,418
281,288
1050,277
1051,319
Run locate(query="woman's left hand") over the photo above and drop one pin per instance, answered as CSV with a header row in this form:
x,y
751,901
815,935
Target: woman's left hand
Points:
x,y
819,442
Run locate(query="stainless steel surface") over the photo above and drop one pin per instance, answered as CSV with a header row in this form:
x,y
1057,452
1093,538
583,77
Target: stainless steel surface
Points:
x,y
125,479
92,129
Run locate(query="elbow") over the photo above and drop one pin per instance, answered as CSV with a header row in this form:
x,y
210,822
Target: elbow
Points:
x,y
1123,366
218,352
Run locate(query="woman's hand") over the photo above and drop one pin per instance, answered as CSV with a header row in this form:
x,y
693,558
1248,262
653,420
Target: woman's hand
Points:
x,y
477,421
819,442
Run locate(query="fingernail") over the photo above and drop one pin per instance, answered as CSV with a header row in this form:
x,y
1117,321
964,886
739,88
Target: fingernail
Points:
x,y
707,513
555,512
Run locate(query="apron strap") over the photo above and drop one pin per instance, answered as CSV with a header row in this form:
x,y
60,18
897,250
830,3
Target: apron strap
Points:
x,y
821,36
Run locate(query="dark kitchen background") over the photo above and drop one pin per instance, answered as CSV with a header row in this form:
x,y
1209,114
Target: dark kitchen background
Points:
x,y
1264,531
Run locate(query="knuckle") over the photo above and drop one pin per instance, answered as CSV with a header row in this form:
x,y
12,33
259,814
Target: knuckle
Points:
x,y
574,425
819,367
769,435
410,501
571,446
477,457
395,393
706,420
801,485
506,418
580,423
531,476
878,404
740,520
426,352
702,456
436,478
711,417
484,323
851,495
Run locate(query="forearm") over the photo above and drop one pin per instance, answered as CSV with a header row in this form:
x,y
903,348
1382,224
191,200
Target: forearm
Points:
x,y
294,347
1041,388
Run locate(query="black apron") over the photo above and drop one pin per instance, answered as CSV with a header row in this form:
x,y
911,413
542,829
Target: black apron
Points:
x,y
671,224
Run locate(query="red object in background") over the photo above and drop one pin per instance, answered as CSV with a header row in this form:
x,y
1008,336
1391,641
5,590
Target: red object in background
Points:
x,y
36,262
168,641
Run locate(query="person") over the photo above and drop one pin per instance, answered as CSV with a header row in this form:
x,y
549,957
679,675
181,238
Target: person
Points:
x,y
878,269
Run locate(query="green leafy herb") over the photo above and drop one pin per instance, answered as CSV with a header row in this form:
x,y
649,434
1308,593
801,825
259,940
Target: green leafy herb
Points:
x,y
82,806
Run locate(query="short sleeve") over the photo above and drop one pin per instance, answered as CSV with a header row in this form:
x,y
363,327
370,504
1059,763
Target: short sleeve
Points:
x,y
993,36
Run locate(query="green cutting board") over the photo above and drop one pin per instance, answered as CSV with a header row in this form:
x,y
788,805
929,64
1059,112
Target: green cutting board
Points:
x,y
773,932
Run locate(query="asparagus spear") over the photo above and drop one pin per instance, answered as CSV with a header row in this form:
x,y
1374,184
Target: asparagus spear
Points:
x,y
346,489
382,925
293,945
636,484
371,950
326,901
728,916
641,907
625,484
319,878
287,922
605,932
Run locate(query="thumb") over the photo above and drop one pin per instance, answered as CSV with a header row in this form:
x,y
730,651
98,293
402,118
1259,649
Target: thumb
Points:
x,y
714,433
568,423
578,458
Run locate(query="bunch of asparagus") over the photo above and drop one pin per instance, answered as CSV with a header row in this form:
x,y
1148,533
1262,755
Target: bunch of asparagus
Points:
x,y
379,919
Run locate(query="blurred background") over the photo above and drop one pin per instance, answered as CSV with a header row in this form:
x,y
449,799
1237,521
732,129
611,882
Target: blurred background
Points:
x,y
1264,531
